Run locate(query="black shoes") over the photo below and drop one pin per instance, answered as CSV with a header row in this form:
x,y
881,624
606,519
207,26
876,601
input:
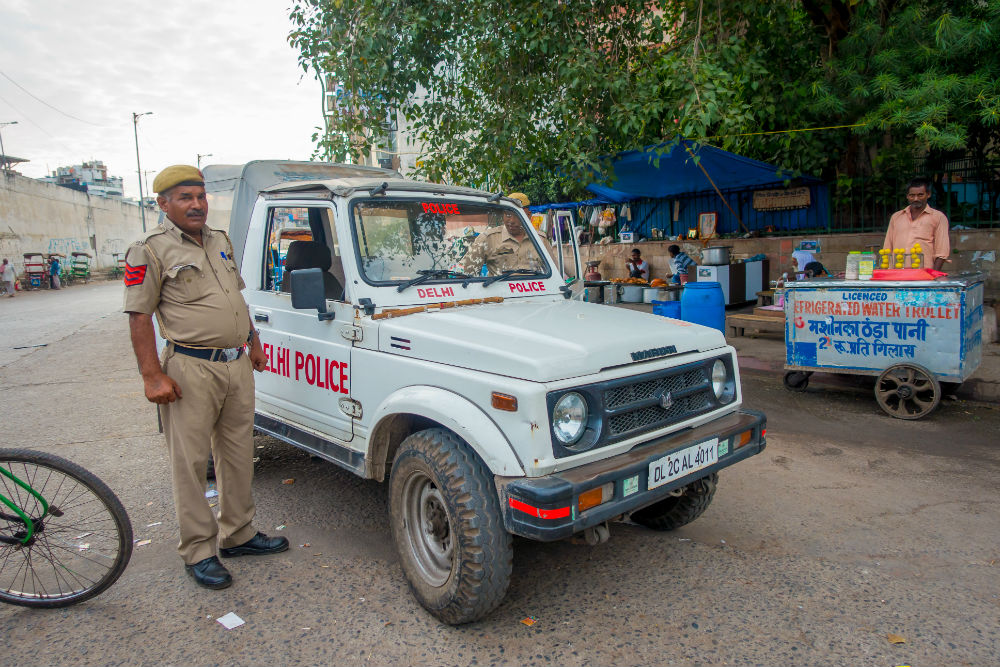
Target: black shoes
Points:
x,y
210,573
259,545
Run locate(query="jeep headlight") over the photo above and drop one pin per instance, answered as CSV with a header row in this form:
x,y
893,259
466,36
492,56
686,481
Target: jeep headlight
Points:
x,y
569,418
722,384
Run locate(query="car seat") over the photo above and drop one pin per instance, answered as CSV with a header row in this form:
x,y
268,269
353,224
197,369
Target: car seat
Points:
x,y
311,255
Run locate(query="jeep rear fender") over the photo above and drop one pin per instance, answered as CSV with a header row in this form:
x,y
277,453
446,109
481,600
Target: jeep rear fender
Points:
x,y
417,407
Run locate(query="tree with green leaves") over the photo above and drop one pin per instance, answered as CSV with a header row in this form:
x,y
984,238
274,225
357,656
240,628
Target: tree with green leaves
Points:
x,y
541,92
924,74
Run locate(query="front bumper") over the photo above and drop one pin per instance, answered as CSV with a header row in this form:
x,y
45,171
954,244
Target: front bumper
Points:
x,y
545,508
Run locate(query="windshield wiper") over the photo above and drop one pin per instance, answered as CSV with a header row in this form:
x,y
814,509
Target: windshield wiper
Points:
x,y
428,274
507,275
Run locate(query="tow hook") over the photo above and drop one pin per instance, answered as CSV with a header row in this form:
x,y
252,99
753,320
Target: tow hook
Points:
x,y
598,534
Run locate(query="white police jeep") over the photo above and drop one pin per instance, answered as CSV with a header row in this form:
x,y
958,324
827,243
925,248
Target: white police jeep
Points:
x,y
424,333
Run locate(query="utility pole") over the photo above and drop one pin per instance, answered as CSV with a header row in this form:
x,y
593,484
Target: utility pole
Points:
x,y
3,155
145,178
200,156
135,131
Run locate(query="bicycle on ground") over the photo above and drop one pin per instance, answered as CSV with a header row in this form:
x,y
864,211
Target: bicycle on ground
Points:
x,y
64,535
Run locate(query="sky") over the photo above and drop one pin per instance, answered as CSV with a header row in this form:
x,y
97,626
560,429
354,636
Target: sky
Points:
x,y
219,77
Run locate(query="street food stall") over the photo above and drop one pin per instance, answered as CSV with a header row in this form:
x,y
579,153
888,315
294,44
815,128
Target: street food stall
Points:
x,y
912,335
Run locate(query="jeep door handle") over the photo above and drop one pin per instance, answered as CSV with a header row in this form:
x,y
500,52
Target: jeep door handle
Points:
x,y
261,317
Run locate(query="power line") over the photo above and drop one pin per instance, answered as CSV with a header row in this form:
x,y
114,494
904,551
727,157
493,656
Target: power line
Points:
x,y
44,131
87,122
802,129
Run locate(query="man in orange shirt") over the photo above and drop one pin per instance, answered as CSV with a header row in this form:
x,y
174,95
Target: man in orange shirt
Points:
x,y
919,223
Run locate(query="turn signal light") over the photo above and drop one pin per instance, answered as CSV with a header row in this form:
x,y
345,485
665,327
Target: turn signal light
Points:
x,y
596,496
745,437
504,402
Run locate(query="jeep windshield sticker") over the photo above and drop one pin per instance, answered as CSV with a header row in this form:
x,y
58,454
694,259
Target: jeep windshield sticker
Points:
x,y
525,288
642,355
309,368
440,209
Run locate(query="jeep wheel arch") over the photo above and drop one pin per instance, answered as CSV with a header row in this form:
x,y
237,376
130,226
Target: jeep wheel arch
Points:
x,y
413,409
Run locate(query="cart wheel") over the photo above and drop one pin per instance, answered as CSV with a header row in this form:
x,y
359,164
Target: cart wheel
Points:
x,y
796,380
907,391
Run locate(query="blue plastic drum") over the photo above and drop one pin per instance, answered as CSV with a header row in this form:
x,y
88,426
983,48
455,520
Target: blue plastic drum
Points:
x,y
703,303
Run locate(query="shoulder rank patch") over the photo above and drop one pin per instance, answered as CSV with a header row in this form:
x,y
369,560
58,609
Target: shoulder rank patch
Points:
x,y
134,275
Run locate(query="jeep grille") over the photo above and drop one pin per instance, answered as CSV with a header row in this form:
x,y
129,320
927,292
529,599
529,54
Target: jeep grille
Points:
x,y
630,393
635,408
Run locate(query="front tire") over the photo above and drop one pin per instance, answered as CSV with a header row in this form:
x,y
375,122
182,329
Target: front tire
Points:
x,y
676,511
448,528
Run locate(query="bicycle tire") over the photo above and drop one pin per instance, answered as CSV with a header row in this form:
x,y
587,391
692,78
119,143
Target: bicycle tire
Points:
x,y
78,551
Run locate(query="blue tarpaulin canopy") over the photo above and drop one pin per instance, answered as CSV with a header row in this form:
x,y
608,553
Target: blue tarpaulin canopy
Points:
x,y
541,208
652,174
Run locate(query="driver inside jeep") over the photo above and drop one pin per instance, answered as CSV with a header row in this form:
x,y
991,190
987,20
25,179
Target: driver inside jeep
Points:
x,y
504,247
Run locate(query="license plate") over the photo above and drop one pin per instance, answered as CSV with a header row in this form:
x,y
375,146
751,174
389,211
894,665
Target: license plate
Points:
x,y
682,463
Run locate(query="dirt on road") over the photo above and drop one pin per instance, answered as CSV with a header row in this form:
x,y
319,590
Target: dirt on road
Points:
x,y
849,527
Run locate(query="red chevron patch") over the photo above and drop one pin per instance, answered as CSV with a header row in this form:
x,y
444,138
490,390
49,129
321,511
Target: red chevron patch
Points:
x,y
134,275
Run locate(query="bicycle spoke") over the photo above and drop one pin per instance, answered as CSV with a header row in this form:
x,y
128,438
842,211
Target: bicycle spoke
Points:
x,y
59,568
76,552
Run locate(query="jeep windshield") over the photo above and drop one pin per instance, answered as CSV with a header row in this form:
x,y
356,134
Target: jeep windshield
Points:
x,y
399,241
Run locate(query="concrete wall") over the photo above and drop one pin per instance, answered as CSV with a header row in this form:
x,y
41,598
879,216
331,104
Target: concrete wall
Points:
x,y
965,245
42,217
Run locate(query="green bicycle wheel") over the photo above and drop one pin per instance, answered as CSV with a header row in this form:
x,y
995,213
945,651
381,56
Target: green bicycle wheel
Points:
x,y
76,550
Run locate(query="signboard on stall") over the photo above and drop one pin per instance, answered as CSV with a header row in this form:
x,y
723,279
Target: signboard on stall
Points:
x,y
873,328
784,199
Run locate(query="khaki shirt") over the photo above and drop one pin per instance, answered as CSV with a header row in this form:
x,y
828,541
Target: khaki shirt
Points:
x,y
501,252
930,230
194,290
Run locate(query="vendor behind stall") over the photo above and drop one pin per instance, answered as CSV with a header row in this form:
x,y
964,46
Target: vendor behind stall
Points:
x,y
637,266
919,223
679,263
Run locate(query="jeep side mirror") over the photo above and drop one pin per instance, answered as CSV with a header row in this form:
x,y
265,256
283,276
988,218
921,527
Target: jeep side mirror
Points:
x,y
308,292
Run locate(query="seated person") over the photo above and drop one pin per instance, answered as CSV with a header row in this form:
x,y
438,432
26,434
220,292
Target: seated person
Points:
x,y
815,270
679,263
504,247
800,258
637,266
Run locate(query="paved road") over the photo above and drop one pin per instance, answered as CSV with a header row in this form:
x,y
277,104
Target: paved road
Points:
x,y
848,527
42,317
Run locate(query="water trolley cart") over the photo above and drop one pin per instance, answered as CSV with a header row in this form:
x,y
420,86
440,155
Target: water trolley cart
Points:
x,y
911,335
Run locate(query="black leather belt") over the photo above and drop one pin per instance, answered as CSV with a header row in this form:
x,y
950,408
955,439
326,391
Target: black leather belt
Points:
x,y
211,354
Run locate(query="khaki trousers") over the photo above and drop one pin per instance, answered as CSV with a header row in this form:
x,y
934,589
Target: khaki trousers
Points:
x,y
214,413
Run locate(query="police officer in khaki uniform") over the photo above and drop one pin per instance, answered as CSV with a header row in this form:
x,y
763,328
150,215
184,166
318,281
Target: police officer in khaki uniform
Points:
x,y
184,273
507,246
